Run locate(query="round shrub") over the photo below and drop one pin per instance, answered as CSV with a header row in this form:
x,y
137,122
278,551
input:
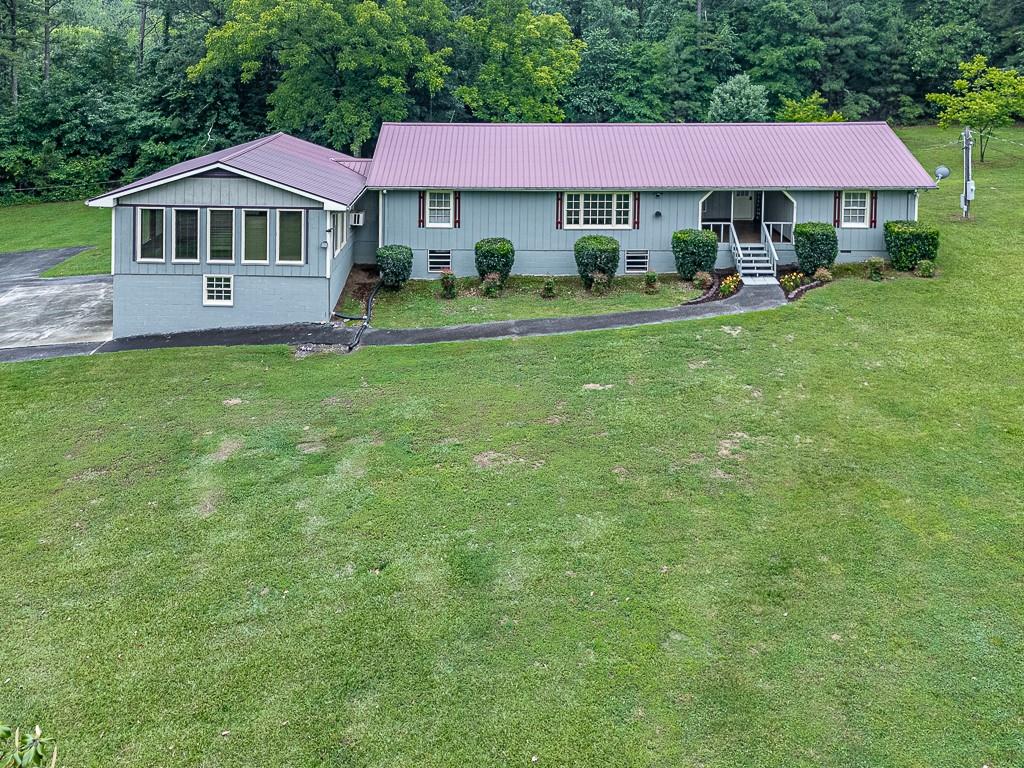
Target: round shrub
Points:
x,y
703,280
925,268
822,275
395,264
596,253
651,282
495,254
695,250
909,242
816,245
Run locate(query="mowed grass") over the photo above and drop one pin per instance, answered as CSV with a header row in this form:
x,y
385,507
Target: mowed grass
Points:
x,y
419,303
783,539
59,225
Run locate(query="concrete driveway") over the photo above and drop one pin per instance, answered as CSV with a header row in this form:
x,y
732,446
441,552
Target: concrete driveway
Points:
x,y
37,311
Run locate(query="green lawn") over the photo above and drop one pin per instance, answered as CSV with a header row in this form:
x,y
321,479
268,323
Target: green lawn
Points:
x,y
784,539
59,225
419,304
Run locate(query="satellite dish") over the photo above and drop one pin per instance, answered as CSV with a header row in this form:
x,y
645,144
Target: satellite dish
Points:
x,y
942,172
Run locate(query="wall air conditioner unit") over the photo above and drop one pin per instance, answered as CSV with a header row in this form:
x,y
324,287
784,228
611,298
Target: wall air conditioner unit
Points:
x,y
356,218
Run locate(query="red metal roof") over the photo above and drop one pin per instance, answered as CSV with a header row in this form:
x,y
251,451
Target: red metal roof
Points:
x,y
644,156
280,159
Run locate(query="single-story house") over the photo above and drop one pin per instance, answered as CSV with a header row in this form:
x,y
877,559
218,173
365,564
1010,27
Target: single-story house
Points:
x,y
266,233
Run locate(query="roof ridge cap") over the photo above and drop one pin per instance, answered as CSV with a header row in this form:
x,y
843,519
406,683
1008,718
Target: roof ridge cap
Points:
x,y
255,145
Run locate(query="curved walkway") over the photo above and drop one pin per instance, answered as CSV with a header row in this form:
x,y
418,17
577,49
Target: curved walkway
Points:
x,y
751,298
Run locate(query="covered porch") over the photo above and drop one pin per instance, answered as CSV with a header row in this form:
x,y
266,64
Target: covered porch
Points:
x,y
755,216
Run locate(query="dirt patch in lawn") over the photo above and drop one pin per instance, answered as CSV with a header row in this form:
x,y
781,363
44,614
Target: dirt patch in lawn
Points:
x,y
357,290
227,448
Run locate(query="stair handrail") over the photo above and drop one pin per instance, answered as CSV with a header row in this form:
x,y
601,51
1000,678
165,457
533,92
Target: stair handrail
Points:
x,y
734,245
766,240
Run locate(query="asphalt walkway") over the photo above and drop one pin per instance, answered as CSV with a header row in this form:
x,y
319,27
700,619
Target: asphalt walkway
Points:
x,y
750,299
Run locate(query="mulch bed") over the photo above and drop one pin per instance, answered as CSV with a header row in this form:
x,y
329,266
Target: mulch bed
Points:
x,y
711,294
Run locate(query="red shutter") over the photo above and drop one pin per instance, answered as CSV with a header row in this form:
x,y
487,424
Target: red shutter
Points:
x,y
558,210
636,210
457,205
423,209
837,208
874,209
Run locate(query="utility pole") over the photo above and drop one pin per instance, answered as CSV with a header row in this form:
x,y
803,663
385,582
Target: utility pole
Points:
x,y
968,193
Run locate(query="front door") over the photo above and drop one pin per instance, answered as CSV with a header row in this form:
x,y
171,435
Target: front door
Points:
x,y
743,206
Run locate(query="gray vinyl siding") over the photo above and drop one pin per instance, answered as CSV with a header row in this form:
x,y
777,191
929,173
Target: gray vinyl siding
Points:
x,y
171,303
217,192
528,220
365,237
340,268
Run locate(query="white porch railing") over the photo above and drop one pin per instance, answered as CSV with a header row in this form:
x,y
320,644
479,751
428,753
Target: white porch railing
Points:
x,y
720,228
735,247
766,240
779,231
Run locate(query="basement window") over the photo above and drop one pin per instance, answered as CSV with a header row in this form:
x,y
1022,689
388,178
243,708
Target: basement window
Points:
x,y
637,261
218,290
438,261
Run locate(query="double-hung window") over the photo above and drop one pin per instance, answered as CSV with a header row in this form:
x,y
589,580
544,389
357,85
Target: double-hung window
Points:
x,y
855,209
339,230
220,235
255,237
150,243
439,209
598,210
291,237
185,239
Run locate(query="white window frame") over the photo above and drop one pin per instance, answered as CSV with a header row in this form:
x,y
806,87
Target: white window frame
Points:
x,y
339,219
635,253
277,238
207,302
174,237
209,240
582,201
438,270
843,223
451,209
138,234
241,250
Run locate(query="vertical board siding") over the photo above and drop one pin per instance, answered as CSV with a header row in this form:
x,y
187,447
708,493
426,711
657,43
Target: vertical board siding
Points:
x,y
227,192
365,237
528,220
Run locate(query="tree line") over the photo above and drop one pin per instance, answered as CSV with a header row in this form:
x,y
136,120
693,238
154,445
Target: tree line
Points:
x,y
96,91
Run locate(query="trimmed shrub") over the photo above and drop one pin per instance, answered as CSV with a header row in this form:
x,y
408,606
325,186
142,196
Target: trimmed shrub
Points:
x,y
791,281
925,268
822,275
695,250
703,280
730,284
495,254
651,282
816,245
449,289
596,253
548,290
874,265
395,264
909,242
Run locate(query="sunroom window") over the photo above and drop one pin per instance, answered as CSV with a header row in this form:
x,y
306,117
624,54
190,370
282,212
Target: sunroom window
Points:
x,y
254,237
220,235
151,234
608,210
185,246
291,237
